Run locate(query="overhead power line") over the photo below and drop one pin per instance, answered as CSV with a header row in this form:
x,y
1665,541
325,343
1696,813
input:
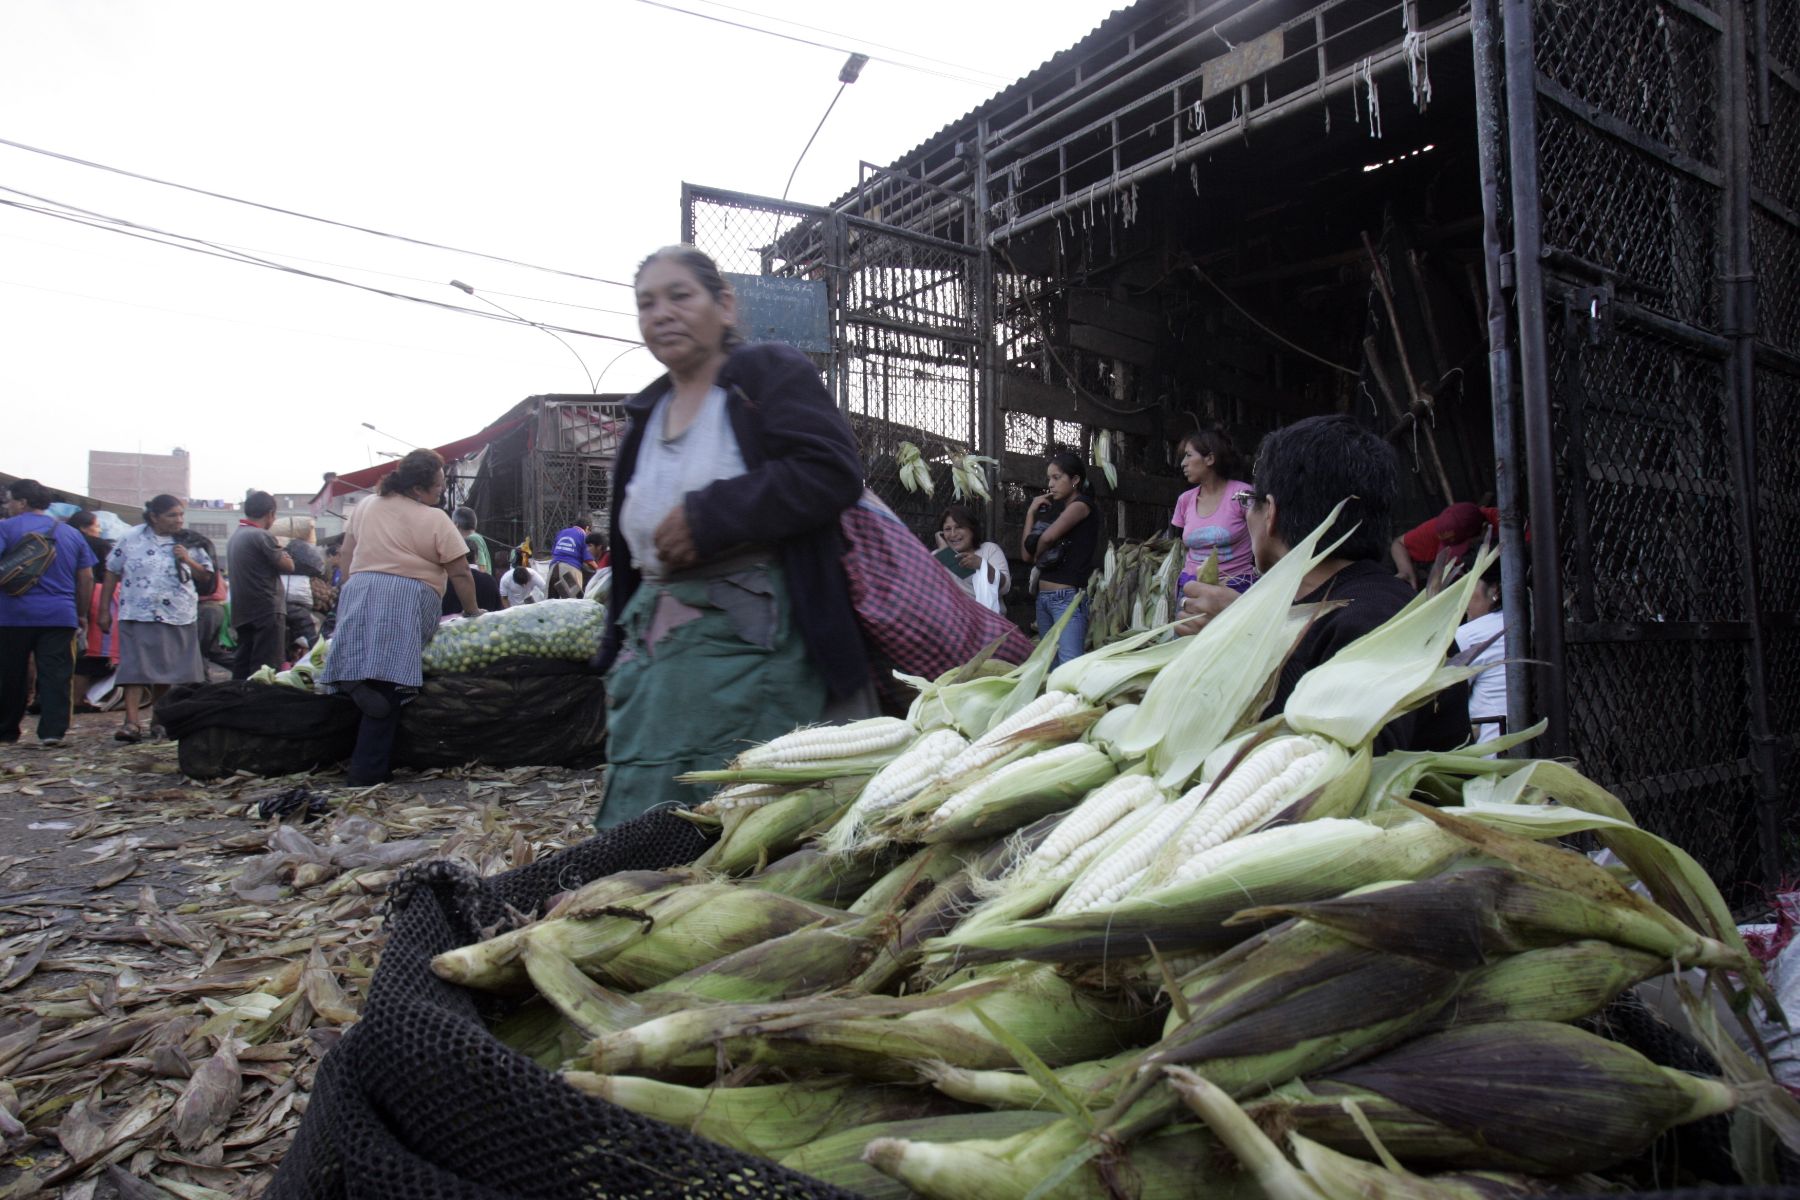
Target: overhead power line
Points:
x,y
862,41
288,212
794,37
150,233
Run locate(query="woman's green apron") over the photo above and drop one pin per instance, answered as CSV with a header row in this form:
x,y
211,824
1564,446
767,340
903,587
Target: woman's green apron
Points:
x,y
711,663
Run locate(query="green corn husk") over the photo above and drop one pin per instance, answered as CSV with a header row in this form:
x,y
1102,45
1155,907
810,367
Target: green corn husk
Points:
x,y
1059,1162
943,907
723,920
815,959
588,1007
1532,1096
910,881
880,1039
974,706
1023,792
837,1159
1681,888
770,1120
834,879
1093,1084
1557,983
1202,697
1339,1175
1396,665
494,964
755,837
1323,858
538,1031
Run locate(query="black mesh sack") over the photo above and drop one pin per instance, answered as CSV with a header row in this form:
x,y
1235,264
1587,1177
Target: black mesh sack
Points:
x,y
515,712
420,1102
256,727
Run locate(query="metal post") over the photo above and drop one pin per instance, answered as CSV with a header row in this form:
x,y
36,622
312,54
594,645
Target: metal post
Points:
x,y
1738,294
1534,373
1491,134
987,399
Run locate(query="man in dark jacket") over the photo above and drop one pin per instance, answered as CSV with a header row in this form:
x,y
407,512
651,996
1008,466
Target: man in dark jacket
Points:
x,y
1302,471
258,602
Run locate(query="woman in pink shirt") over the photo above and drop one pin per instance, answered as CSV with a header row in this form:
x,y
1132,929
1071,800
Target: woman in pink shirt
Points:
x,y
1206,517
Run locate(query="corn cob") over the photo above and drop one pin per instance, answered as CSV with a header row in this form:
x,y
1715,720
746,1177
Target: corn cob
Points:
x,y
831,743
1004,743
754,837
811,874
1317,858
742,795
1103,808
770,1120
1557,983
910,881
494,964
1018,792
1340,1175
1109,878
1276,1178
722,920
1506,1096
837,1159
878,1039
588,1006
895,784
813,959
1016,1089
1177,1164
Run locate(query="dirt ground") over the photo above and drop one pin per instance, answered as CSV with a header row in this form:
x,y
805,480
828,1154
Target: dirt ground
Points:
x,y
173,965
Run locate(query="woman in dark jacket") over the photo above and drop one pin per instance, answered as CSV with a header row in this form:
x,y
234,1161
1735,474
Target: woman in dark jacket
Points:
x,y
730,620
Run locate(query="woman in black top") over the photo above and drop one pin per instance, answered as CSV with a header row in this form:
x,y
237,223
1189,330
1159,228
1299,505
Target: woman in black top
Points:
x,y
1062,532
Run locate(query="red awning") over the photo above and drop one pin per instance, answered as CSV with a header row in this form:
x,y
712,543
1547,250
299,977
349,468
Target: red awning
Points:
x,y
365,479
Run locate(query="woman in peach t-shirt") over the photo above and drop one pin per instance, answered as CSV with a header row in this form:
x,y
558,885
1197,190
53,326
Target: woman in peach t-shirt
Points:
x,y
400,551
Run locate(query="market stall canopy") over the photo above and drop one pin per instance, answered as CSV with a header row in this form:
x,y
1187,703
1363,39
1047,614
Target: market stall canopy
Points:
x,y
364,480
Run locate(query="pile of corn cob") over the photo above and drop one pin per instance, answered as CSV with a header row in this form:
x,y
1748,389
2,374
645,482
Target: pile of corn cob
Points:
x,y
1103,932
1133,590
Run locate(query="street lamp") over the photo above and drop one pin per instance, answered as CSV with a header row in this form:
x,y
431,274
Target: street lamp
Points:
x,y
384,433
593,384
847,75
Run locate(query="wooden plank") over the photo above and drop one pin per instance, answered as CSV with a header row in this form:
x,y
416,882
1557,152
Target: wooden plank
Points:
x,y
1091,308
1021,393
1027,470
1096,340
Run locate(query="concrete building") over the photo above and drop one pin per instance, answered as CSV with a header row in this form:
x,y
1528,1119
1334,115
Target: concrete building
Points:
x,y
131,478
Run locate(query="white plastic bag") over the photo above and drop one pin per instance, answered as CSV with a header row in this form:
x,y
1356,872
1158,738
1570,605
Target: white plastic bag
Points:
x,y
987,588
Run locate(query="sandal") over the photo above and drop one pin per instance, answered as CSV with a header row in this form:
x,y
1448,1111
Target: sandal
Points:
x,y
130,731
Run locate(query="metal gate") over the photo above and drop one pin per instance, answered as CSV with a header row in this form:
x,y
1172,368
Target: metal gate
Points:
x,y
905,310
1643,164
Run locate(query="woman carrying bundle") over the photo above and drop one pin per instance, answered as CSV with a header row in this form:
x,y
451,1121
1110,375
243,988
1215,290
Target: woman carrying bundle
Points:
x,y
1062,534
730,620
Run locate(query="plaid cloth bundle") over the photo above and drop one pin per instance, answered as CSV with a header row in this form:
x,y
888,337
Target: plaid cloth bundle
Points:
x,y
910,609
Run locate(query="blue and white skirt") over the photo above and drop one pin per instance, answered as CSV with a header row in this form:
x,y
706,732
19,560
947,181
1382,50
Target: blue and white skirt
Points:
x,y
383,624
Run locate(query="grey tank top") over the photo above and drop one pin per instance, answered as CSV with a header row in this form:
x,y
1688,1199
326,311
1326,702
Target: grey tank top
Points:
x,y
669,468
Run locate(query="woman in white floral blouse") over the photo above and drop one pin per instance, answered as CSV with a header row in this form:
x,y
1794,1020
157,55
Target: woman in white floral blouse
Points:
x,y
159,582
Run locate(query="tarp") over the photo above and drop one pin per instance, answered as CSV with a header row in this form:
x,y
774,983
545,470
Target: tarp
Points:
x,y
365,479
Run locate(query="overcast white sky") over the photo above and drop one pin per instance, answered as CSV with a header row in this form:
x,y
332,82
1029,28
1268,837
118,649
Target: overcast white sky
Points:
x,y
553,132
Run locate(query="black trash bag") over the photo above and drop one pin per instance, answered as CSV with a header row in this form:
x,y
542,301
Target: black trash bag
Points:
x,y
262,728
419,1101
515,712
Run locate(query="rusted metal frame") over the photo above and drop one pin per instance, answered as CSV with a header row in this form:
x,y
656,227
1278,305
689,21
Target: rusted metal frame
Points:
x,y
1698,11
990,437
899,233
1444,34
1575,449
900,177
1174,89
1738,291
1155,53
1521,74
1628,133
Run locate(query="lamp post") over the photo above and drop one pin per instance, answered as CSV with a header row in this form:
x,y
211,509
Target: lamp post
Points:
x,y
593,384
384,433
847,75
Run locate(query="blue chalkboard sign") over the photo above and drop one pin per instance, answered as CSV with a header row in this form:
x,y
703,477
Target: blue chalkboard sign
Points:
x,y
773,309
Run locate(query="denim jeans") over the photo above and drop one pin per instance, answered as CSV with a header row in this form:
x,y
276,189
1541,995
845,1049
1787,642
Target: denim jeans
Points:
x,y
1051,604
